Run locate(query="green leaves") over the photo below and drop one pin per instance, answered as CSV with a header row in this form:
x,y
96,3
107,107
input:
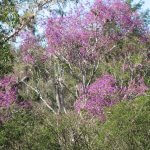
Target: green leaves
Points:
x,y
127,125
9,19
6,59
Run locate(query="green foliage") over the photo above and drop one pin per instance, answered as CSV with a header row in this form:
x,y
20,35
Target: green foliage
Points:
x,y
6,59
9,14
127,126
43,130
27,130
116,69
9,18
77,133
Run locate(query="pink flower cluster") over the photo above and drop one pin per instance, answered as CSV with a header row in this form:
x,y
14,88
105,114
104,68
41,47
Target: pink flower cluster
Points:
x,y
81,35
8,91
115,10
27,46
97,96
104,93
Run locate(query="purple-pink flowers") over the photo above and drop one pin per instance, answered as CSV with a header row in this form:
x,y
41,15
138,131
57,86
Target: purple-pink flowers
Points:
x,y
104,93
97,96
27,46
8,91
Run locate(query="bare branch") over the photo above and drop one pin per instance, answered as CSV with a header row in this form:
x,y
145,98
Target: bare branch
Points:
x,y
36,90
93,72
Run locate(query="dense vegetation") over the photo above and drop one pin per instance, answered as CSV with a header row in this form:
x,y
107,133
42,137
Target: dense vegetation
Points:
x,y
82,85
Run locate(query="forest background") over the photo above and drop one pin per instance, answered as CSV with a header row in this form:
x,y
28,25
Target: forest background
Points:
x,y
74,75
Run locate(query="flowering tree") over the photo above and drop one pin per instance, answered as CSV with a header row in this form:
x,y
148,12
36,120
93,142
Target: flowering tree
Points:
x,y
82,38
76,46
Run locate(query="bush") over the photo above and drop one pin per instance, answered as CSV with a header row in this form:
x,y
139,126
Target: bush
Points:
x,y
26,130
127,126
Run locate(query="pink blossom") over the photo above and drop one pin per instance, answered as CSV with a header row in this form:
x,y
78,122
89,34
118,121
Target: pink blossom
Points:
x,y
28,43
104,93
83,35
8,91
97,96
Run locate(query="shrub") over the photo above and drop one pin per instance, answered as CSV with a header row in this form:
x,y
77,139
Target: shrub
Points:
x,y
127,126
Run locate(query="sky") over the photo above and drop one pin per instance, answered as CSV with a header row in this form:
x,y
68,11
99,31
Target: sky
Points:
x,y
146,5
